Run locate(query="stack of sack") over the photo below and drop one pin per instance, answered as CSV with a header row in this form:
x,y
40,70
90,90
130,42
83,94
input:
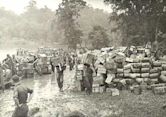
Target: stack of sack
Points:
x,y
145,69
155,71
163,72
140,71
136,70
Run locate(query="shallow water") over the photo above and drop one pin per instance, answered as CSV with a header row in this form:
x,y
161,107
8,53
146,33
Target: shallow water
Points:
x,y
46,96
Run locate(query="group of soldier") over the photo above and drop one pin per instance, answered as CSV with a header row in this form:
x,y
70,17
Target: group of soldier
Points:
x,y
7,69
22,94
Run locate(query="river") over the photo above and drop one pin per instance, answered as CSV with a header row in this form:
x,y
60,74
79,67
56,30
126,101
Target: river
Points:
x,y
47,96
51,102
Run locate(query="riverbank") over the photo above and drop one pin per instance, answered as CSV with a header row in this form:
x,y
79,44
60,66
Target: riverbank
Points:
x,y
51,102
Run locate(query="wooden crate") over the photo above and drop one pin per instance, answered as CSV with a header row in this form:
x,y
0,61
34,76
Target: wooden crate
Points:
x,y
96,88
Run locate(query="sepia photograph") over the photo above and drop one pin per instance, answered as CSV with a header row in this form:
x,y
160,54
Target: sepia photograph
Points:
x,y
82,58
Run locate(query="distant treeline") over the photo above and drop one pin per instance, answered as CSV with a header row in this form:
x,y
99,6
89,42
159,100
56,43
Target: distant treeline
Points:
x,y
74,23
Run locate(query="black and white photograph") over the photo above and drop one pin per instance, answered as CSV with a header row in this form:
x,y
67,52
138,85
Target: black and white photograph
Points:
x,y
82,58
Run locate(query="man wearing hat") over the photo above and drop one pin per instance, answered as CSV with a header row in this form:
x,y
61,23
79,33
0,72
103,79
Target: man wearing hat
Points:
x,y
20,98
60,74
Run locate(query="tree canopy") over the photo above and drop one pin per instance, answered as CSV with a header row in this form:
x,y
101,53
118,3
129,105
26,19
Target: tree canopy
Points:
x,y
139,20
98,37
68,12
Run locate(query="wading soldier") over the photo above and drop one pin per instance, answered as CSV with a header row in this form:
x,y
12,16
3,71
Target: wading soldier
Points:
x,y
60,70
21,95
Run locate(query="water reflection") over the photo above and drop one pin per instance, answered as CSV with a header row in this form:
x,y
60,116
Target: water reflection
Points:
x,y
46,96
51,102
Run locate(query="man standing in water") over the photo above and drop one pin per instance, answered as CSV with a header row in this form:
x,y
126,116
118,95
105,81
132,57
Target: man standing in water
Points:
x,y
21,95
60,70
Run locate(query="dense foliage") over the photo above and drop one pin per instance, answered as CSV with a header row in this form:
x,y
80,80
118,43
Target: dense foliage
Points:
x,y
139,20
67,13
69,25
98,37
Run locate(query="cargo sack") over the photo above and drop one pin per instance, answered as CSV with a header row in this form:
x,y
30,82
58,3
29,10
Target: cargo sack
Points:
x,y
158,68
127,71
164,66
145,70
135,70
139,80
109,79
163,78
147,80
154,70
137,65
120,71
145,75
145,60
135,75
116,80
146,65
154,81
119,59
127,75
119,75
129,60
163,73
157,64
159,90
136,60
128,66
154,75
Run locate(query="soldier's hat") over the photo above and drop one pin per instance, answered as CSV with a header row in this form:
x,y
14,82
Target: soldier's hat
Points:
x,y
16,79
87,64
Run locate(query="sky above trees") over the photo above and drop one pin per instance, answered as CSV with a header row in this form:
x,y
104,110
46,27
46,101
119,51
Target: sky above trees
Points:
x,y
18,6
